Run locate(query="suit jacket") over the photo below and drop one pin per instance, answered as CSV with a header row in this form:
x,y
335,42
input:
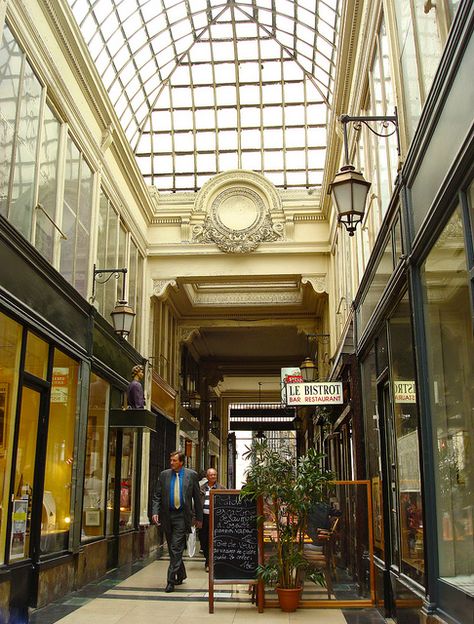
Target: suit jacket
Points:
x,y
191,497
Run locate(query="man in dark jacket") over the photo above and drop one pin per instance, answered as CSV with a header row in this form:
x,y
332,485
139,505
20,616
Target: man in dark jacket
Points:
x,y
172,507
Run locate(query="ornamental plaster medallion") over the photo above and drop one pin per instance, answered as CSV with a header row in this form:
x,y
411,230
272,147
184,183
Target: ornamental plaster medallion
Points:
x,y
237,212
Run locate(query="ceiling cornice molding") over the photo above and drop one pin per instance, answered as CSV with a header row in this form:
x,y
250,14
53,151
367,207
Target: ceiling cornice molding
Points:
x,y
156,250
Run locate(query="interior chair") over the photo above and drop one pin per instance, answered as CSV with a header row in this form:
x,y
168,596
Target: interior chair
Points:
x,y
320,554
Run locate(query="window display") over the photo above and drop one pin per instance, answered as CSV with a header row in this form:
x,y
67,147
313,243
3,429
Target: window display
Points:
x,y
95,467
450,350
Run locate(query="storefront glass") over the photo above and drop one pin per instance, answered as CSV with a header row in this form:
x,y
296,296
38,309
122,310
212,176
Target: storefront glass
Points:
x,y
405,419
127,484
372,436
95,462
10,348
36,358
450,350
111,480
56,514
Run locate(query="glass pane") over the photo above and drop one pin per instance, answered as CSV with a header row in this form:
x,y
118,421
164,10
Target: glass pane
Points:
x,y
24,475
70,207
10,63
127,481
47,191
10,347
36,359
372,434
111,482
95,465
23,189
450,348
56,514
381,277
471,210
335,544
408,61
405,411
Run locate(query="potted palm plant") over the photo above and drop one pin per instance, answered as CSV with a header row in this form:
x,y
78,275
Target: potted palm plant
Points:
x,y
289,490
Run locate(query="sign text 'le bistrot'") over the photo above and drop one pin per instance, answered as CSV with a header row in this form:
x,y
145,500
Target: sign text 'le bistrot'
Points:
x,y
315,393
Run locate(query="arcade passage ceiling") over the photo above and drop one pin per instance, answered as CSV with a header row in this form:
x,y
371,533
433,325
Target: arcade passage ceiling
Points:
x,y
204,86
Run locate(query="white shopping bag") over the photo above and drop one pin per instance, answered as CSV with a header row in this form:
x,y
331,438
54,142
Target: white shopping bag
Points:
x,y
191,542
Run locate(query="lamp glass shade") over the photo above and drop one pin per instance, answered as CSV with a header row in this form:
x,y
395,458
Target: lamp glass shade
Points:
x,y
349,191
122,318
309,370
195,400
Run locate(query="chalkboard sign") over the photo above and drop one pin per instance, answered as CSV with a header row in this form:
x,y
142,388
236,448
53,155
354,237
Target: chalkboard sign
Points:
x,y
236,542
234,537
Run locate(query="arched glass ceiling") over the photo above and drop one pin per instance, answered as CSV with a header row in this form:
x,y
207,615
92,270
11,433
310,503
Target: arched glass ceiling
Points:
x,y
203,86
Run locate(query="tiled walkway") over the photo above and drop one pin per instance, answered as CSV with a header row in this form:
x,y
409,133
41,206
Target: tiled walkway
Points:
x,y
136,595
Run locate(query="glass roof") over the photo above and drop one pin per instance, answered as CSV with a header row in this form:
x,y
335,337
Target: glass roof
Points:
x,y
204,86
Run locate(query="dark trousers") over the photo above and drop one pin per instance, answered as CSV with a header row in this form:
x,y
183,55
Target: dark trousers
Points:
x,y
176,544
204,537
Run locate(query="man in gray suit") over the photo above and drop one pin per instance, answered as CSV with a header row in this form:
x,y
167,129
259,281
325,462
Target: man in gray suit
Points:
x,y
172,507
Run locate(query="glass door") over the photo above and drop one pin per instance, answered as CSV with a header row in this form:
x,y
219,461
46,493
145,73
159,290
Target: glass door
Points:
x,y
26,487
24,477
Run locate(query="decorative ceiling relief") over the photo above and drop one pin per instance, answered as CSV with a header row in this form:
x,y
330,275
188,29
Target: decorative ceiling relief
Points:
x,y
237,210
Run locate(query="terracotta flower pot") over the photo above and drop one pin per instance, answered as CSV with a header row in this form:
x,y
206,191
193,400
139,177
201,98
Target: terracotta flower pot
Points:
x,y
289,598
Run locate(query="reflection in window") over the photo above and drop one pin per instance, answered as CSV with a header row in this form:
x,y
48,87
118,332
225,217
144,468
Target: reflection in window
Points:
x,y
405,411
95,467
56,515
10,347
450,348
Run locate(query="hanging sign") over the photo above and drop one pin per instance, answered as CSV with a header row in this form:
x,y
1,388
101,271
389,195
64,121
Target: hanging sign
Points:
x,y
289,375
316,393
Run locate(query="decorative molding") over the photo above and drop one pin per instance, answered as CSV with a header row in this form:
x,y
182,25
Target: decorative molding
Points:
x,y
308,217
187,334
166,221
248,298
319,283
237,210
160,286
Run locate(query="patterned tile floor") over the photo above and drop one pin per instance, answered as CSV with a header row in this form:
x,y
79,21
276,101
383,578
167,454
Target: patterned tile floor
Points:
x,y
135,594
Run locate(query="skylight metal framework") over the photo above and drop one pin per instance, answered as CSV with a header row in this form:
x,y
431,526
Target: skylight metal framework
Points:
x,y
204,86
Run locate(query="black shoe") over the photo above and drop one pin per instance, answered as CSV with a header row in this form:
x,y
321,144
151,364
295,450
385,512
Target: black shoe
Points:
x,y
179,581
169,588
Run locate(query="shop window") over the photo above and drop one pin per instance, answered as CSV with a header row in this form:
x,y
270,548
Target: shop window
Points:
x,y
450,350
36,358
95,463
405,415
56,513
111,481
127,480
10,348
372,437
